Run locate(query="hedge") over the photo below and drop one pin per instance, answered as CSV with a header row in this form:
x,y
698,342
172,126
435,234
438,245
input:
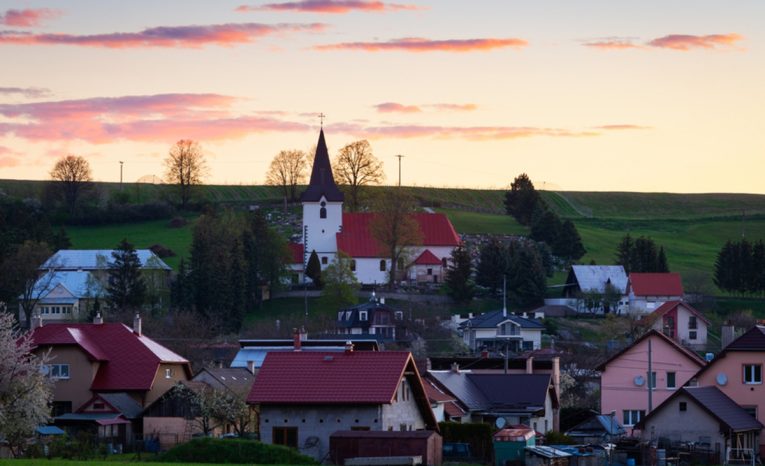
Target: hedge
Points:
x,y
211,450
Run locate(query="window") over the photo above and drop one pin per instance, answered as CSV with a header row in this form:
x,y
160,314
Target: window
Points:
x,y
168,373
353,265
671,382
632,416
683,406
60,408
383,266
752,374
652,382
59,371
287,436
360,428
692,335
324,260
363,315
323,210
430,271
692,324
399,315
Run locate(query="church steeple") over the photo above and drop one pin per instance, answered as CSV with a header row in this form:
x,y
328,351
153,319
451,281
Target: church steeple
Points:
x,y
322,181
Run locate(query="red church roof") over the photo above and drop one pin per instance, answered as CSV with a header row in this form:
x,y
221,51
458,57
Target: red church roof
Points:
x,y
127,361
656,284
296,252
670,305
427,258
366,377
356,238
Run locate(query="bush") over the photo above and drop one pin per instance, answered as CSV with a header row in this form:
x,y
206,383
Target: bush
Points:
x,y
177,222
162,251
558,438
211,450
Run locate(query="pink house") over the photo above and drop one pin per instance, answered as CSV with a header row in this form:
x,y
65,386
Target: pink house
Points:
x,y
624,381
682,322
737,372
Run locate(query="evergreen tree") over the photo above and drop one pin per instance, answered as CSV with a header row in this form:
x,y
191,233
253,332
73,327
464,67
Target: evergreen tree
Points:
x,y
526,282
126,288
547,228
522,199
624,253
568,244
662,265
744,269
757,284
725,267
313,269
458,276
645,255
181,290
493,264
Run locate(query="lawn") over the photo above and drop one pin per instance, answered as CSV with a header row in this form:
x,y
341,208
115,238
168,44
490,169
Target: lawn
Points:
x,y
473,222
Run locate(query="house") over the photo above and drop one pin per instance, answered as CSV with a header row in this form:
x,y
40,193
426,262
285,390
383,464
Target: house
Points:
x,y
737,372
598,428
445,406
99,260
648,291
500,331
373,317
65,295
109,363
682,322
528,399
296,268
624,382
709,419
327,230
114,417
597,280
305,397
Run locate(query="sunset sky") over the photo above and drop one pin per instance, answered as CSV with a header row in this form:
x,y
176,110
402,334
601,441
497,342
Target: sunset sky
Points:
x,y
581,95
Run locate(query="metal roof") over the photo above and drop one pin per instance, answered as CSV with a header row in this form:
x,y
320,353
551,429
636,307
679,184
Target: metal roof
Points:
x,y
98,259
78,284
494,318
595,277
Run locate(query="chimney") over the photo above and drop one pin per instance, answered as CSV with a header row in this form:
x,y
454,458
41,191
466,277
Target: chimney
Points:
x,y
296,339
98,319
727,334
530,365
303,334
251,367
556,374
137,324
37,321
455,367
348,347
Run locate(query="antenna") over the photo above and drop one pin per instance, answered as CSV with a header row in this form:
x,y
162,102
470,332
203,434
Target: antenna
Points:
x,y
504,295
399,167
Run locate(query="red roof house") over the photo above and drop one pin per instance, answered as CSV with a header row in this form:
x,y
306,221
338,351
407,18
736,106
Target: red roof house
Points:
x,y
304,397
648,291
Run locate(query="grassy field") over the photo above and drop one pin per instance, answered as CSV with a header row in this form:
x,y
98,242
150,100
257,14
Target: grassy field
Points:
x,y
59,462
474,222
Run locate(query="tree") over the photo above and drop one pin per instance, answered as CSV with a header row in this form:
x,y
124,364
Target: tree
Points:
x,y
394,227
661,261
641,255
356,167
459,273
522,199
288,170
340,283
526,281
25,391
624,252
313,269
185,167
21,274
211,408
126,288
493,265
568,244
72,175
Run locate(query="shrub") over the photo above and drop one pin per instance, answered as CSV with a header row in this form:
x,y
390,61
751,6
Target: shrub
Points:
x,y
177,222
162,251
558,438
210,450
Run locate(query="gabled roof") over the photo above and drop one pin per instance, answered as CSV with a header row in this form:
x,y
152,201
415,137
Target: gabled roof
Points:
x,y
350,317
671,305
656,284
596,425
256,350
717,404
695,358
752,340
595,277
322,181
78,284
427,258
435,394
296,252
236,379
496,392
494,318
128,361
120,402
98,259
356,238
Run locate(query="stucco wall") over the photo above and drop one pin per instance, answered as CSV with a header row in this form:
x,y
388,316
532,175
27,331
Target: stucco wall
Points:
x,y
321,235
162,383
692,425
81,374
403,411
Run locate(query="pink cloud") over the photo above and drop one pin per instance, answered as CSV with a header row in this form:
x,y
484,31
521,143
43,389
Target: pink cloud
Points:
x,y
8,162
137,118
329,6
425,45
613,44
164,36
29,92
28,18
393,107
686,42
475,133
455,107
621,127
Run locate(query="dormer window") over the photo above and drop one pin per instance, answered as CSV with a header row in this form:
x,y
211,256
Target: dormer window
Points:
x,y
363,315
168,373
323,210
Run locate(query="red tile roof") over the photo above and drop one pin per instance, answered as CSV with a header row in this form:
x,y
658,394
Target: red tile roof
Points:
x,y
435,395
427,258
356,238
453,409
656,284
127,361
296,252
670,305
358,377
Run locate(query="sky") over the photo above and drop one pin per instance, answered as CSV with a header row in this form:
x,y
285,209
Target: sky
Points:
x,y
580,95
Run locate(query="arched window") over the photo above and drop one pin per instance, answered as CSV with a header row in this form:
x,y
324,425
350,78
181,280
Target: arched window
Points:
x,y
383,267
323,210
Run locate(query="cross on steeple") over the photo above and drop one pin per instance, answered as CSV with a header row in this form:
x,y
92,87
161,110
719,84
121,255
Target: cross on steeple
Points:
x,y
321,119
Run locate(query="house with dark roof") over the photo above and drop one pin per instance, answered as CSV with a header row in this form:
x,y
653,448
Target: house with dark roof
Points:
x,y
327,230
501,331
597,429
682,322
103,360
445,405
304,397
648,291
737,371
528,399
709,419
624,380
373,317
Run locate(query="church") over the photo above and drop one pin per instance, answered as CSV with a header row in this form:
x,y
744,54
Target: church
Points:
x,y
328,230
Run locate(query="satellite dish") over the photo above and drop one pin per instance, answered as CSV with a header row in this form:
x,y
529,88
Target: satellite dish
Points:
x,y
500,423
639,380
722,379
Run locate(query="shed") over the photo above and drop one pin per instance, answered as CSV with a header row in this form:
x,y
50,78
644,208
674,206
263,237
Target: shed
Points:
x,y
345,444
546,456
510,445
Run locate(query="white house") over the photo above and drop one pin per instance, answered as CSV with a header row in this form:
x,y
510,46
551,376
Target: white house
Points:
x,y
64,296
498,330
648,291
327,230
682,322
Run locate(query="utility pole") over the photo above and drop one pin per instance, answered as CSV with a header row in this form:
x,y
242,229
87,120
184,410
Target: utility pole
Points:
x,y
650,379
399,168
121,163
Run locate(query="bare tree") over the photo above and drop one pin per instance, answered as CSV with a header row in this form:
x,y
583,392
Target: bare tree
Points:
x,y
288,170
21,269
185,167
73,176
394,227
355,167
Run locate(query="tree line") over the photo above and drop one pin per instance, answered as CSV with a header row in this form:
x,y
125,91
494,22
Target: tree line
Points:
x,y
740,267
641,255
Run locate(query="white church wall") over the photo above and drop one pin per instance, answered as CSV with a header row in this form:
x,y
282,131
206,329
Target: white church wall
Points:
x,y
321,232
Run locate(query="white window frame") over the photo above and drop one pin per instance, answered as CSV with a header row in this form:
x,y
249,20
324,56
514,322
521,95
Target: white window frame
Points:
x,y
631,417
363,316
56,370
749,374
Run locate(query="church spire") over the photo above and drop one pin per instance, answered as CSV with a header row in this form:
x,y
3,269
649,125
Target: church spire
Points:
x,y
322,181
